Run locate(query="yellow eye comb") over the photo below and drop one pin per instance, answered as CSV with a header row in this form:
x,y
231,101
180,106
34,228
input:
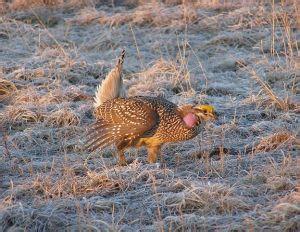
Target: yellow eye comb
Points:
x,y
207,108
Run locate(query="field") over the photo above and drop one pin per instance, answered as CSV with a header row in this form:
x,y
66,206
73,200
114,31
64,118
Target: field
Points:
x,y
239,174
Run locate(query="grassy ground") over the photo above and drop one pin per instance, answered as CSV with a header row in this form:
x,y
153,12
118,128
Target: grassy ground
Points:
x,y
240,174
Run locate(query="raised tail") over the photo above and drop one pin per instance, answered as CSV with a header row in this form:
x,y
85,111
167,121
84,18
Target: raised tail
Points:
x,y
112,86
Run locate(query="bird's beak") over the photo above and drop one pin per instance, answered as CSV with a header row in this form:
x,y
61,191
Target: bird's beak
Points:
x,y
214,116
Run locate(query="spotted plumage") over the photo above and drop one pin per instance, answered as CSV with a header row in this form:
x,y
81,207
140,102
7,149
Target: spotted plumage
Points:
x,y
143,121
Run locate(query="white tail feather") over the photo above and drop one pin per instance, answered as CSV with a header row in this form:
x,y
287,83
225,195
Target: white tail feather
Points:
x,y
112,86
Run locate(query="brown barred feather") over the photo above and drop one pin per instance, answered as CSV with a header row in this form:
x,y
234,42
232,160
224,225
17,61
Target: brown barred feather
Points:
x,y
118,121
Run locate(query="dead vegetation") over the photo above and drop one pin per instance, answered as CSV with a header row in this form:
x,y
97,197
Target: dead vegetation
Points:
x,y
275,141
7,88
63,117
208,199
16,115
241,173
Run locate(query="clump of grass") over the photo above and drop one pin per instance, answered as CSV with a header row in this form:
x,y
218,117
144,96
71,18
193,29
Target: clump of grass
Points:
x,y
86,16
285,168
154,14
83,3
275,141
280,176
285,210
279,183
56,96
184,222
31,4
30,96
104,182
25,4
49,216
51,186
209,199
284,216
64,182
3,7
26,97
54,72
74,94
20,114
237,39
282,104
163,77
63,117
162,67
7,88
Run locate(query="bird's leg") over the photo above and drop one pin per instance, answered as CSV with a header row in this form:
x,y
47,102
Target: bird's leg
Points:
x,y
153,151
121,147
122,159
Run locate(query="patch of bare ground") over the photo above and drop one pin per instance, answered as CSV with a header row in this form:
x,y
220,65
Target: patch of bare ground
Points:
x,y
240,174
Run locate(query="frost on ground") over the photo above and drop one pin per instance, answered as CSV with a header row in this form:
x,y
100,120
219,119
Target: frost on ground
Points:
x,y
239,174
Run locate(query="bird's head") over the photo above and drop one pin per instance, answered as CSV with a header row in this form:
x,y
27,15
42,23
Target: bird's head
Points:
x,y
205,112
195,115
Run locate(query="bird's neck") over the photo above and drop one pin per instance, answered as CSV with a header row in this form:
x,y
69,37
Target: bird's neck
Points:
x,y
190,120
188,116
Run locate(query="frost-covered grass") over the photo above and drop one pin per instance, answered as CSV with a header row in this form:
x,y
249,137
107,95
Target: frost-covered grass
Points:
x,y
239,174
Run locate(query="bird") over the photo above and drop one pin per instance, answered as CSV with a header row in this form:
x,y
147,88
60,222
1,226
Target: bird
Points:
x,y
139,121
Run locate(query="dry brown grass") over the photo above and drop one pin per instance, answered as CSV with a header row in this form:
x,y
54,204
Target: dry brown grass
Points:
x,y
237,56
277,183
70,185
63,117
208,199
15,115
30,4
283,216
64,182
3,7
144,15
275,141
273,97
7,88
162,76
25,4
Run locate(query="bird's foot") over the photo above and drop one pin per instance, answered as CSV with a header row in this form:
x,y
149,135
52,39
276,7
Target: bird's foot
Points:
x,y
125,162
122,162
155,165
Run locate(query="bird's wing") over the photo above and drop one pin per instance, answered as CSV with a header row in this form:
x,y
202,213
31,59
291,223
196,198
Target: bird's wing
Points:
x,y
120,120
